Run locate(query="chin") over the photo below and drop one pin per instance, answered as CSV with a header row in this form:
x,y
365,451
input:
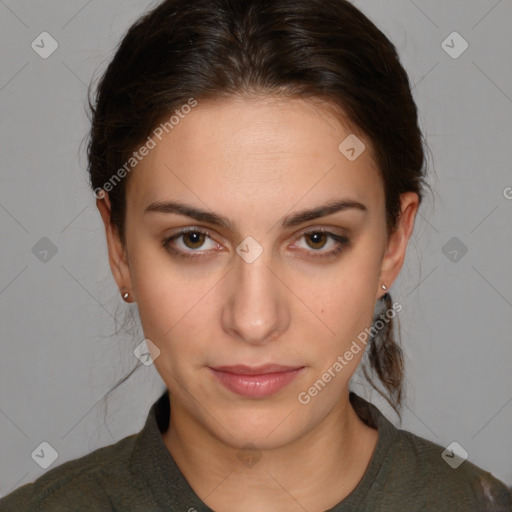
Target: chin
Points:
x,y
266,429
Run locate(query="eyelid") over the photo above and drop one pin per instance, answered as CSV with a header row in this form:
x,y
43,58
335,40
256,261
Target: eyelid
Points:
x,y
323,229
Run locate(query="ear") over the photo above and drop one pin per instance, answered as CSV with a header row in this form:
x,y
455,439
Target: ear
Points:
x,y
394,255
117,255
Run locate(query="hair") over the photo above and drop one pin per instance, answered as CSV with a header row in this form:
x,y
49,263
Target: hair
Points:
x,y
314,49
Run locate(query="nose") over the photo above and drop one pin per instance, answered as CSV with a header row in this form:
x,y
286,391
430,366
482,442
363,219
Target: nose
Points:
x,y
256,310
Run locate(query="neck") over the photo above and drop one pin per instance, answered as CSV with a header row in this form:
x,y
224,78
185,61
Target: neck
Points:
x,y
327,462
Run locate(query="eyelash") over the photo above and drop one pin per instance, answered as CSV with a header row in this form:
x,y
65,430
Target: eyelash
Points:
x,y
341,241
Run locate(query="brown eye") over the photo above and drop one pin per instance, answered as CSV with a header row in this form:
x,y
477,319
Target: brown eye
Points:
x,y
196,239
318,238
322,244
186,242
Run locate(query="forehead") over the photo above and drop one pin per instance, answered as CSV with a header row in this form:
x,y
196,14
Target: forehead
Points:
x,y
267,148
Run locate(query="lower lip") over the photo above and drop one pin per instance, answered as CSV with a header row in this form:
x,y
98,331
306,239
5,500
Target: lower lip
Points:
x,y
256,386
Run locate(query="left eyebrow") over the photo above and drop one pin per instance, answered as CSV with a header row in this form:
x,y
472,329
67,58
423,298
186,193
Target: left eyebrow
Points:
x,y
322,211
216,219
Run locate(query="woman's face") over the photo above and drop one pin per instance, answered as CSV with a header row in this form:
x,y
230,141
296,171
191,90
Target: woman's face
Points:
x,y
265,286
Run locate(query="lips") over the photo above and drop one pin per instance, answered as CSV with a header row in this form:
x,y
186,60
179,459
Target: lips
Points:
x,y
256,381
255,370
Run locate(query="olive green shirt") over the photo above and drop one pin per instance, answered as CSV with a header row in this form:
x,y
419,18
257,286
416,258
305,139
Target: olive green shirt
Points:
x,y
138,474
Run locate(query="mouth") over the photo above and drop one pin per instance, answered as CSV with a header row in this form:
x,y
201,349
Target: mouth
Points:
x,y
256,381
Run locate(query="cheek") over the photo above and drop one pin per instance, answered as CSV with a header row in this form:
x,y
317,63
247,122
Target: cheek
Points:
x,y
345,303
346,314
164,293
169,305
175,308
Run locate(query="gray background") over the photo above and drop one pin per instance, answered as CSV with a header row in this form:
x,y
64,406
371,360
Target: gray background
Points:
x,y
64,340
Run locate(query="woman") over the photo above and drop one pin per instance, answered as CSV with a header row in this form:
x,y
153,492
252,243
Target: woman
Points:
x,y
258,167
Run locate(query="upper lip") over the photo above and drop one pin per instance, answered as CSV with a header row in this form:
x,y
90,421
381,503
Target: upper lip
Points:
x,y
241,369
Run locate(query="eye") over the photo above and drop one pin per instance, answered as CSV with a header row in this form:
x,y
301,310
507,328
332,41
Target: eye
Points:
x,y
186,242
319,239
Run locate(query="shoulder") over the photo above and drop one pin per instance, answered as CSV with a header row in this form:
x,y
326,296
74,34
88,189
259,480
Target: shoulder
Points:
x,y
442,482
78,484
411,473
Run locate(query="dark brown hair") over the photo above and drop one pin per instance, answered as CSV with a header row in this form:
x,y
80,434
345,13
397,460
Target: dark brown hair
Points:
x,y
209,49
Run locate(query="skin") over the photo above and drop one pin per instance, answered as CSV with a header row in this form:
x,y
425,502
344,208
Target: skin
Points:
x,y
256,161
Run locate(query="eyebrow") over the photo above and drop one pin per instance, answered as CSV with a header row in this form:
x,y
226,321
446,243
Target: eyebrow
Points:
x,y
216,219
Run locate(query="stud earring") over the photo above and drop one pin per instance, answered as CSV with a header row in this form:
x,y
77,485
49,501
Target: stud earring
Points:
x,y
126,295
384,287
